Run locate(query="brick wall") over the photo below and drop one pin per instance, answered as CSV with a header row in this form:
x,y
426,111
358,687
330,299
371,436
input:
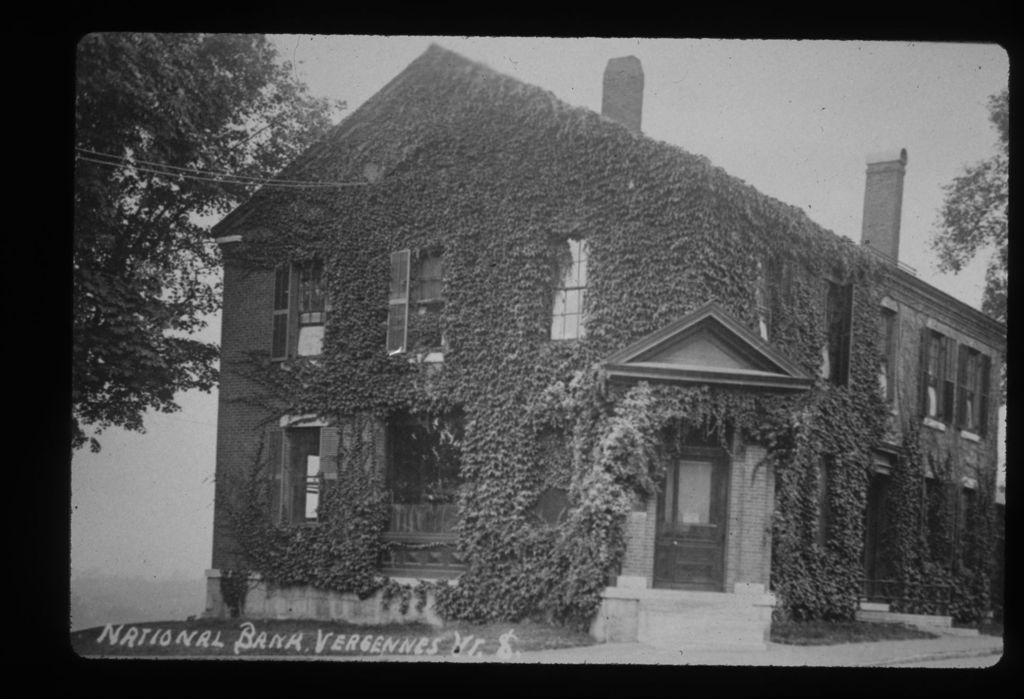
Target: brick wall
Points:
x,y
751,502
246,327
973,455
640,535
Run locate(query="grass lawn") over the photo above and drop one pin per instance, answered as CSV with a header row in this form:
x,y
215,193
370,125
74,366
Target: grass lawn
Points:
x,y
312,638
822,633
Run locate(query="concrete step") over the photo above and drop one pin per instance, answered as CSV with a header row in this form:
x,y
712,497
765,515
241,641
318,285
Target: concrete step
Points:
x,y
920,620
678,619
703,620
874,606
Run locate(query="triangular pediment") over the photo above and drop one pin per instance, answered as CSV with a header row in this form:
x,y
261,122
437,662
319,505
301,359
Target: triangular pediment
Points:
x,y
707,346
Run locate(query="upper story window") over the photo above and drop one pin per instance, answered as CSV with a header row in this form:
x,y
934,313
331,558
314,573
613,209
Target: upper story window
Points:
x,y
312,309
887,368
567,321
300,310
936,375
761,300
838,326
973,379
415,301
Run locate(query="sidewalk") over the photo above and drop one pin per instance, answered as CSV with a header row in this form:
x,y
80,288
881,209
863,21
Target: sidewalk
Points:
x,y
881,653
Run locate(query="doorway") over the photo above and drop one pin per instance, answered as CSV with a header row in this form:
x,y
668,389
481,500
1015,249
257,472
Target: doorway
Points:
x,y
689,551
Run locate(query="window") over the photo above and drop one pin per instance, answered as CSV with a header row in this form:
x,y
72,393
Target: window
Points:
x,y
936,376
304,460
299,317
567,316
304,472
761,300
312,309
887,368
838,324
551,506
415,302
424,461
972,397
423,479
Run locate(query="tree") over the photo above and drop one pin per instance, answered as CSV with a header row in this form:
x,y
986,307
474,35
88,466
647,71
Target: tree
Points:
x,y
973,215
157,117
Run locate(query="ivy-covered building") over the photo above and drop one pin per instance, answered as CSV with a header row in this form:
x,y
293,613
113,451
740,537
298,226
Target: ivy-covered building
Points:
x,y
510,357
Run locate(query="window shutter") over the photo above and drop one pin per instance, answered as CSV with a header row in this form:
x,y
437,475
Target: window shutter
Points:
x,y
948,379
380,437
287,489
982,398
962,388
924,360
275,461
329,452
282,303
846,345
398,302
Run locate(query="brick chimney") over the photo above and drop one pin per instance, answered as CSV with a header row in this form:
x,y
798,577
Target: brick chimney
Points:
x,y
623,97
883,202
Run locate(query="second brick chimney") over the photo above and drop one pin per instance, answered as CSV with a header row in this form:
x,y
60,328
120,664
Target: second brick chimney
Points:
x,y
883,202
623,96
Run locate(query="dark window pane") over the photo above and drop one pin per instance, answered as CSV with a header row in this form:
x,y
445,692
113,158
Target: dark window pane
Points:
x,y
552,505
280,342
425,459
281,276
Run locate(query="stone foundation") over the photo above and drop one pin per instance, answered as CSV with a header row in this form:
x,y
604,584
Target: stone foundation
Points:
x,y
268,601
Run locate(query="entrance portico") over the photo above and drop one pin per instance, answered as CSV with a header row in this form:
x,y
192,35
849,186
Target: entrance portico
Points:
x,y
698,555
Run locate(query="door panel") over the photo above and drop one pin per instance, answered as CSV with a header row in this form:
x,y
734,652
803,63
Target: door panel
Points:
x,y
690,544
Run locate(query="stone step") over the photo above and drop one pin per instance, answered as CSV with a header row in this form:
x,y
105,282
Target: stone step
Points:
x,y
680,619
921,620
705,628
874,606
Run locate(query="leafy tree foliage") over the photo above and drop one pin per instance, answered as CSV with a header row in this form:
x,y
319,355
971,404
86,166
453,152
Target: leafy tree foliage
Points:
x,y
162,113
973,216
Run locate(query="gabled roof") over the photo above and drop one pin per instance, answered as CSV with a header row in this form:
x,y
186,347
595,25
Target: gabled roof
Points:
x,y
455,81
416,103
707,347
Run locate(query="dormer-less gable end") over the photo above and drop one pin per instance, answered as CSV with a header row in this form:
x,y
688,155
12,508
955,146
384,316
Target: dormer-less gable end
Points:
x,y
707,347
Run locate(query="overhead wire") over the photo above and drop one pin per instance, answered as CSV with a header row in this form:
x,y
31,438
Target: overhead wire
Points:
x,y
111,160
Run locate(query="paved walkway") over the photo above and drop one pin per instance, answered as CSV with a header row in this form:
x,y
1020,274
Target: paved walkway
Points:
x,y
881,653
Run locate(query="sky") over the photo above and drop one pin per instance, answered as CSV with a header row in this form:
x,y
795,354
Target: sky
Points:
x,y
794,119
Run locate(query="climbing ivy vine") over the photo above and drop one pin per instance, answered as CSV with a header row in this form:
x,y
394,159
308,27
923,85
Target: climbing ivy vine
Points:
x,y
499,176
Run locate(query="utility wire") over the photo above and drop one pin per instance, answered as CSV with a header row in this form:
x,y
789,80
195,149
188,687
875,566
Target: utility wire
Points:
x,y
117,160
120,160
111,160
226,179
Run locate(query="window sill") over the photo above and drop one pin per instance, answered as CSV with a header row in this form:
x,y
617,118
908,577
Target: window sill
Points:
x,y
970,436
934,424
426,358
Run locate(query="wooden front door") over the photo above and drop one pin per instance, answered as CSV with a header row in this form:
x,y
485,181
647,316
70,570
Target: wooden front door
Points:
x,y
691,534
